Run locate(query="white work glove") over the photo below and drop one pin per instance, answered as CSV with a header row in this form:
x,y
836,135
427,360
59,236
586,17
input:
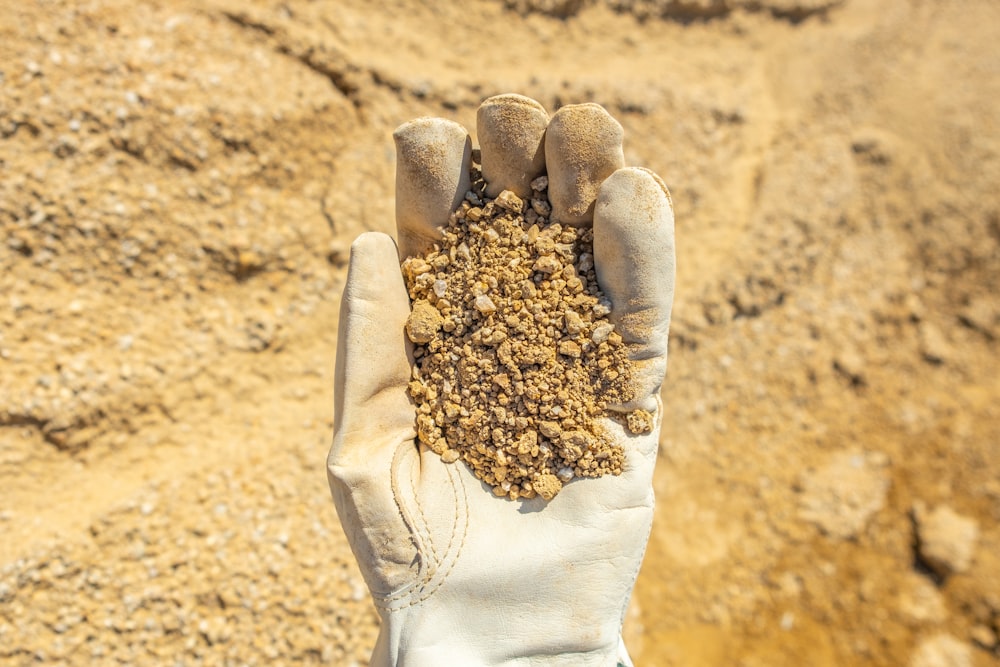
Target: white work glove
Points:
x,y
459,576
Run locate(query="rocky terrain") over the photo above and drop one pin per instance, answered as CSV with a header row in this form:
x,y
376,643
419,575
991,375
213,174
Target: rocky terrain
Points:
x,y
179,184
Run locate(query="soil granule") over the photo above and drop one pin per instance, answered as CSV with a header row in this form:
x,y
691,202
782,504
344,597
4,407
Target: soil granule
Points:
x,y
515,358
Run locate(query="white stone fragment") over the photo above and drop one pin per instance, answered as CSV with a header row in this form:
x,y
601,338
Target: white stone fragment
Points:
x,y
942,650
601,332
947,540
485,305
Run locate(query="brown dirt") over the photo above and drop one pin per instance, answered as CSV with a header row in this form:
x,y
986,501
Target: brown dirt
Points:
x,y
179,182
515,358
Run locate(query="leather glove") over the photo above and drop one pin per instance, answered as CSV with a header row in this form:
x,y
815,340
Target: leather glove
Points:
x,y
459,576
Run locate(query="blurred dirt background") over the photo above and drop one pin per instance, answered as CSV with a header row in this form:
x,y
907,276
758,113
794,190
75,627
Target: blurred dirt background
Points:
x,y
179,185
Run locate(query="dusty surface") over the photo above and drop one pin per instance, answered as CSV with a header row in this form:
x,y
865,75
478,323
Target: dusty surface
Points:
x,y
178,182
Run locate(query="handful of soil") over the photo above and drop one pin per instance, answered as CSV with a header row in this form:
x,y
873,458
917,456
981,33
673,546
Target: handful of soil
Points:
x,y
515,359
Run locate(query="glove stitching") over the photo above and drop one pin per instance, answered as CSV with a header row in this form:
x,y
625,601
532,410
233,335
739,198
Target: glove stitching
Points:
x,y
458,516
453,475
428,537
427,570
410,525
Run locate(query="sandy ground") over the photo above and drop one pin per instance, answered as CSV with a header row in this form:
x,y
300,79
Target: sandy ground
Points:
x,y
179,183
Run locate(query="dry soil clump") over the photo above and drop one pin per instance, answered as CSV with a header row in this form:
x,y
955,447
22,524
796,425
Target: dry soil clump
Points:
x,y
515,358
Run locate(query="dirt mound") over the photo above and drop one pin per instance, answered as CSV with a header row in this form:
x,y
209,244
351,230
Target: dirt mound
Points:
x,y
680,10
179,183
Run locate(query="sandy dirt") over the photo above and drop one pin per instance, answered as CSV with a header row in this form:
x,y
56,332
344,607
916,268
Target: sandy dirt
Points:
x,y
179,183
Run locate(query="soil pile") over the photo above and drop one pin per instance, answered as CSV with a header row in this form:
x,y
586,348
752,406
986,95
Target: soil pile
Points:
x,y
515,358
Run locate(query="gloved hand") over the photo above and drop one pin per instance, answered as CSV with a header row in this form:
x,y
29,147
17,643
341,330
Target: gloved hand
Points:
x,y
460,577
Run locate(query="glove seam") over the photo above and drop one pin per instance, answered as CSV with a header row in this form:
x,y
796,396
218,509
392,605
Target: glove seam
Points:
x,y
428,537
410,525
457,515
385,603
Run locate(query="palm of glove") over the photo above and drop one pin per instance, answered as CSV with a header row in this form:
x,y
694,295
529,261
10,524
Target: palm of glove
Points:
x,y
459,576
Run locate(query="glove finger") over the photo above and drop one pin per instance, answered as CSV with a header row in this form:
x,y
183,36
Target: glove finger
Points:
x,y
433,156
373,354
583,146
373,418
511,131
634,260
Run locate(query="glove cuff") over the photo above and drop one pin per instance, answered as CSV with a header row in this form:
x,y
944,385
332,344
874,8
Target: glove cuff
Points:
x,y
397,646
